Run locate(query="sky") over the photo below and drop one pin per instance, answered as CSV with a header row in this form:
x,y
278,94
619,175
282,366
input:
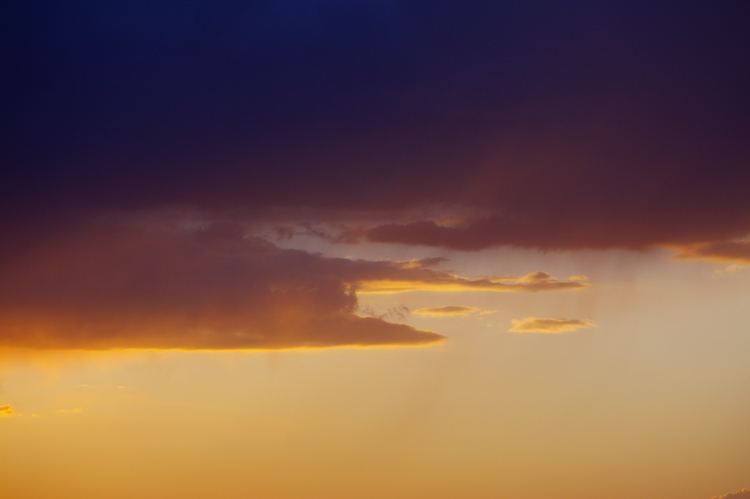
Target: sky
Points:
x,y
298,249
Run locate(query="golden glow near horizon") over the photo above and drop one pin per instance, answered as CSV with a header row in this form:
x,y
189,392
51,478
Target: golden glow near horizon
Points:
x,y
625,409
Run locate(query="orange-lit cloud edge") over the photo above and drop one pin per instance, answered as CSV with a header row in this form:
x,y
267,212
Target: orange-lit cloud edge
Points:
x,y
451,311
722,251
548,326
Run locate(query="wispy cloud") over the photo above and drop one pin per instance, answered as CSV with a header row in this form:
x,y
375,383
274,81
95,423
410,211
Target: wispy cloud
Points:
x,y
6,410
742,494
550,326
729,269
406,277
451,311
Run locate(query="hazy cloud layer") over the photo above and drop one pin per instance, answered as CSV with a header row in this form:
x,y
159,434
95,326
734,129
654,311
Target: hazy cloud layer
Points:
x,y
742,494
6,410
155,285
551,326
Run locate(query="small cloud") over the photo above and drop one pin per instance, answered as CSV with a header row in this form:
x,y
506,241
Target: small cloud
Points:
x,y
451,311
718,273
6,410
742,494
399,312
71,411
422,263
550,326
538,276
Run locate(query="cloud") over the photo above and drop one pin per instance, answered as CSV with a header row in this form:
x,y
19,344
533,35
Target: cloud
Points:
x,y
446,311
409,277
742,494
728,270
542,232
102,285
722,251
551,326
450,311
398,312
76,410
6,410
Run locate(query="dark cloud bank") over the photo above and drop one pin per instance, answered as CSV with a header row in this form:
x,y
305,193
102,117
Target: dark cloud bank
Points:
x,y
132,287
114,285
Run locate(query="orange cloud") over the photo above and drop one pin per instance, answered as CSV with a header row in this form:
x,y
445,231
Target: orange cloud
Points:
x,y
742,494
550,326
6,410
724,251
451,311
446,311
408,277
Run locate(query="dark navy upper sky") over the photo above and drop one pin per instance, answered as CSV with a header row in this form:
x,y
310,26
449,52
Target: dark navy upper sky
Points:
x,y
629,120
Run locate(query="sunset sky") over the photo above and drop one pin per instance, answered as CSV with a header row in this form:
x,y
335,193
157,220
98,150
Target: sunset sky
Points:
x,y
324,249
